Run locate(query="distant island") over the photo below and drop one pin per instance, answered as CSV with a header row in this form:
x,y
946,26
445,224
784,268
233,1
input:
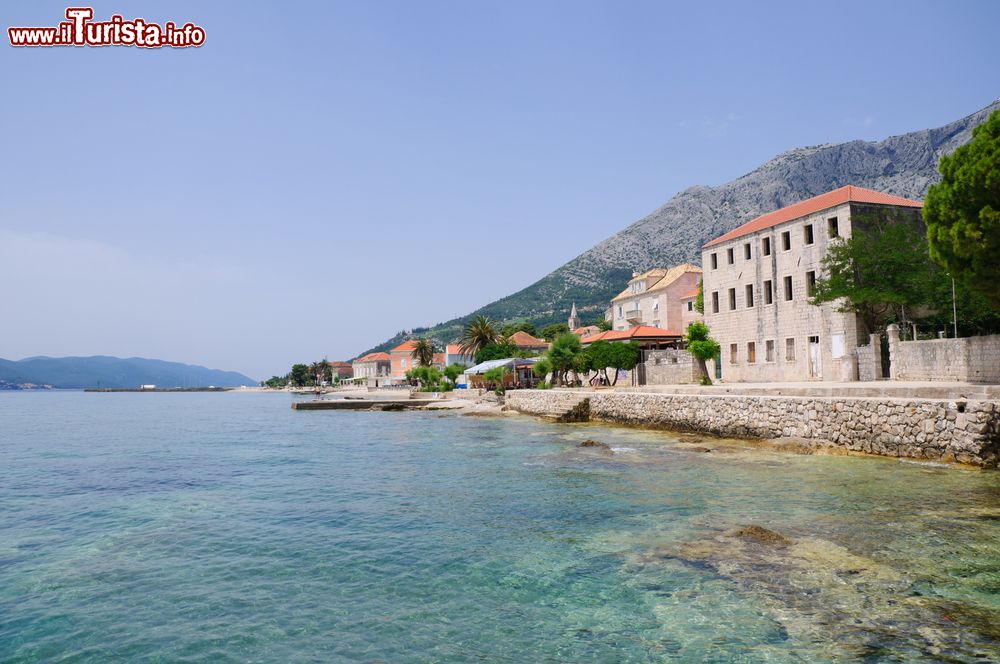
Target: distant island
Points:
x,y
111,372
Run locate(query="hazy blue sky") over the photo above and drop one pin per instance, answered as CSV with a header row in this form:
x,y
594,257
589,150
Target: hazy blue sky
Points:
x,y
320,175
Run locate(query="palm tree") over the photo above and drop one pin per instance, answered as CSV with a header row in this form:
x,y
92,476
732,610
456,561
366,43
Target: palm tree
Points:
x,y
481,332
423,352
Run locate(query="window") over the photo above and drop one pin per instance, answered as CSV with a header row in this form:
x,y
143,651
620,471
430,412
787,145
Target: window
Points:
x,y
837,345
765,246
786,241
768,292
788,288
808,233
833,227
729,255
656,305
691,306
403,362
715,302
732,299
789,350
733,353
749,295
810,282
746,251
769,350
621,311
751,352
715,261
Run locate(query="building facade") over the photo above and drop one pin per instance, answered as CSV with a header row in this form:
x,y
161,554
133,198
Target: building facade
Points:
x,y
654,298
453,355
758,279
372,365
401,359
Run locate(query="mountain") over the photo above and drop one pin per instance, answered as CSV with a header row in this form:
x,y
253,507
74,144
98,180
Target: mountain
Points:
x,y
103,371
904,165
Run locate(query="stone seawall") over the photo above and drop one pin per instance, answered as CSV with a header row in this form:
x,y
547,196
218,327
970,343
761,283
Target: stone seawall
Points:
x,y
966,431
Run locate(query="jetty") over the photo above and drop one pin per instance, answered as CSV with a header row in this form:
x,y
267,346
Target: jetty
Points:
x,y
363,404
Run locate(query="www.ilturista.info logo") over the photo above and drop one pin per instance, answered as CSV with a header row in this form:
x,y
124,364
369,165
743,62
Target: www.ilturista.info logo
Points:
x,y
80,30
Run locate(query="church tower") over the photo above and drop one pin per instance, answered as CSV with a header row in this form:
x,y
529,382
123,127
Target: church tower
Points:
x,y
574,319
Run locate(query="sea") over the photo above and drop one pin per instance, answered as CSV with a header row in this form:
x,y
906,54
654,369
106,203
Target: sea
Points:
x,y
226,527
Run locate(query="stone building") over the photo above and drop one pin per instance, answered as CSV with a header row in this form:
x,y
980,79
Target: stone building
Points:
x,y
758,279
372,365
655,298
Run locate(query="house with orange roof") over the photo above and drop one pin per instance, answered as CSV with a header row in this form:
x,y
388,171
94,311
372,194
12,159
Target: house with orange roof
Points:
x,y
654,298
401,359
689,314
342,370
528,343
758,279
372,365
453,355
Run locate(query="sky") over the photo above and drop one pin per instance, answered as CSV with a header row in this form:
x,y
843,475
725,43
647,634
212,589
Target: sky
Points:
x,y
320,175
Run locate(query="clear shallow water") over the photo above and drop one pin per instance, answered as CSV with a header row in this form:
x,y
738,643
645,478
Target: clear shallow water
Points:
x,y
226,527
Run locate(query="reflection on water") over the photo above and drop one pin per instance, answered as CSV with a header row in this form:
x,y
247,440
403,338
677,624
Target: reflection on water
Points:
x,y
227,527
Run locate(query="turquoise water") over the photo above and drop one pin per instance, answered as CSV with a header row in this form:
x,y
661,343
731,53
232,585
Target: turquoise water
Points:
x,y
226,527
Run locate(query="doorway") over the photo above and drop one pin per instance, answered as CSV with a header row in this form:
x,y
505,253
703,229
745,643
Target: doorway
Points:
x,y
815,364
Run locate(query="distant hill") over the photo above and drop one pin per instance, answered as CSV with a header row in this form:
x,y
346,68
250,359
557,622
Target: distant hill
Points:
x,y
103,371
904,165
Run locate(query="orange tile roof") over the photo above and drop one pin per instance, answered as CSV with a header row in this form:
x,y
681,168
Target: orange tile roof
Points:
x,y
340,364
374,357
525,340
688,296
454,349
633,333
406,346
666,277
438,358
848,194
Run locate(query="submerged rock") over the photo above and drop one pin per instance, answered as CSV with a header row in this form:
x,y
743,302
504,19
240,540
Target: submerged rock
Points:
x,y
821,592
760,534
595,443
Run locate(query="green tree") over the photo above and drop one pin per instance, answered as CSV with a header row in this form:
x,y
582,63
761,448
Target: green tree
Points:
x,y
275,382
429,377
624,356
542,368
882,272
702,346
299,375
550,332
453,371
603,324
962,212
518,326
564,356
495,379
699,302
599,358
423,352
480,332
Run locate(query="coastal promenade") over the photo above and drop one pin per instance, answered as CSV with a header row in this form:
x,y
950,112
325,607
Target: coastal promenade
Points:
x,y
945,422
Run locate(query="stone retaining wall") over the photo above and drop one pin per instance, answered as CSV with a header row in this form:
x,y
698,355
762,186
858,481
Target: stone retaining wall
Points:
x,y
670,367
963,431
966,359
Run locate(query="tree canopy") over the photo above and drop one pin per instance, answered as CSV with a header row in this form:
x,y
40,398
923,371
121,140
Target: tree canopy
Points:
x,y
882,272
518,326
602,355
962,212
550,332
423,352
702,346
479,333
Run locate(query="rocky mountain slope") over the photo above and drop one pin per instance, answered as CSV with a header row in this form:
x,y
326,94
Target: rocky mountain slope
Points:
x,y
904,165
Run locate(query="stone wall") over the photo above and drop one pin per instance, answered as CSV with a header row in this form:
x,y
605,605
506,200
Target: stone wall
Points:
x,y
670,367
968,359
963,431
870,359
